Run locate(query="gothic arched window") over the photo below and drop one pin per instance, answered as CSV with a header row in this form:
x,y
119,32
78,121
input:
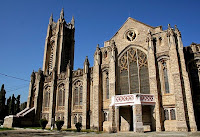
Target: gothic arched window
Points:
x,y
165,74
78,93
61,95
173,115
166,114
134,74
46,97
75,119
80,119
107,86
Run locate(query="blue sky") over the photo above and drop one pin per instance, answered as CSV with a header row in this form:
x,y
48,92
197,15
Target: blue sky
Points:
x,y
24,26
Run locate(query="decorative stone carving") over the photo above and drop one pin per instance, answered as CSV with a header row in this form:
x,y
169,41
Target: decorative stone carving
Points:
x,y
130,35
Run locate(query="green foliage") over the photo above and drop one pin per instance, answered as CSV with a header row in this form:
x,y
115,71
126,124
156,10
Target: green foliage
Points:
x,y
23,106
43,123
3,129
2,103
78,126
17,105
59,124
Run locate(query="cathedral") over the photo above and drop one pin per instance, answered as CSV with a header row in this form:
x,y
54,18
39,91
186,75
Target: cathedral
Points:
x,y
143,79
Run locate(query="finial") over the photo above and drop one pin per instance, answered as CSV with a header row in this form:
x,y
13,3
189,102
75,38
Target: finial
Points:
x,y
51,19
169,26
86,59
72,21
62,14
149,31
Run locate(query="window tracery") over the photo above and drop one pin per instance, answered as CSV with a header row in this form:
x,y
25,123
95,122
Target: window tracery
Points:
x,y
78,93
170,113
107,86
133,67
165,76
61,95
47,97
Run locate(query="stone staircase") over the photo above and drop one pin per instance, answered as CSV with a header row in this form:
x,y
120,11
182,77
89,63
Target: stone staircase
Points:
x,y
21,119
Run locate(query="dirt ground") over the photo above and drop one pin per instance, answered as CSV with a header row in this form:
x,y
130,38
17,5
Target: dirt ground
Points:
x,y
43,133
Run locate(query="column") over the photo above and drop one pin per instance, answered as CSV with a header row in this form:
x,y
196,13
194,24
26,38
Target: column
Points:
x,y
180,112
112,87
38,97
186,82
85,93
52,100
30,89
153,80
67,93
96,90
137,116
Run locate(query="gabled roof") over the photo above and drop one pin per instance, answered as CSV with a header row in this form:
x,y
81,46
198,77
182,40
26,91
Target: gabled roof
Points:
x,y
129,18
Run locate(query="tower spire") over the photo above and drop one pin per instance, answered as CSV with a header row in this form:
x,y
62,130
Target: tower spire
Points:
x,y
62,14
51,19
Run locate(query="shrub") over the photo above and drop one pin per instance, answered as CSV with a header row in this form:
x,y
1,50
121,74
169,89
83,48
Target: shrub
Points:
x,y
43,123
59,124
78,126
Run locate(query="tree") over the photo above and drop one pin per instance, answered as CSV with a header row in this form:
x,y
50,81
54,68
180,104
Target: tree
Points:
x,y
11,105
23,106
8,107
17,106
2,102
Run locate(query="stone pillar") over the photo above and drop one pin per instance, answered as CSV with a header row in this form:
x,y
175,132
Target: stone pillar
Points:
x,y
137,116
67,93
186,82
85,93
117,118
45,49
112,85
31,89
38,96
52,100
175,70
96,90
153,80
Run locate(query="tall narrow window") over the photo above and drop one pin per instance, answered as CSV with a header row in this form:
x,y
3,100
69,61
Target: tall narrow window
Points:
x,y
80,95
166,114
75,119
173,115
47,97
80,119
61,95
76,96
165,77
107,87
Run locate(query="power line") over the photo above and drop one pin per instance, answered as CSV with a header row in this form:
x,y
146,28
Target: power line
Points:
x,y
16,88
14,77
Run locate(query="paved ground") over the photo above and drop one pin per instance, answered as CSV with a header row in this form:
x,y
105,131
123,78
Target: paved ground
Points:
x,y
41,133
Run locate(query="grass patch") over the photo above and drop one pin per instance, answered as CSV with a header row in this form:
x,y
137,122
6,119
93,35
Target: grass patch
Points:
x,y
33,127
4,129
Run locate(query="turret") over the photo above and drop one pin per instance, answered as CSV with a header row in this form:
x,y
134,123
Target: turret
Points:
x,y
62,14
86,65
51,19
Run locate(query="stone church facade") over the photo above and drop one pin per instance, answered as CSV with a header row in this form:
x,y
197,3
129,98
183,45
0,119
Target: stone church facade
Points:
x,y
143,79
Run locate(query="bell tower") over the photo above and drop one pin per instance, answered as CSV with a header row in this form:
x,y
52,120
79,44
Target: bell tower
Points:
x,y
59,45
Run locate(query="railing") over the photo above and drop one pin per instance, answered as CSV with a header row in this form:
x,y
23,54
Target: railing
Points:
x,y
131,99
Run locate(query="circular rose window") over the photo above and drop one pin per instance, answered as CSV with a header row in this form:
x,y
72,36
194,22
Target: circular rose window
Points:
x,y
130,35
